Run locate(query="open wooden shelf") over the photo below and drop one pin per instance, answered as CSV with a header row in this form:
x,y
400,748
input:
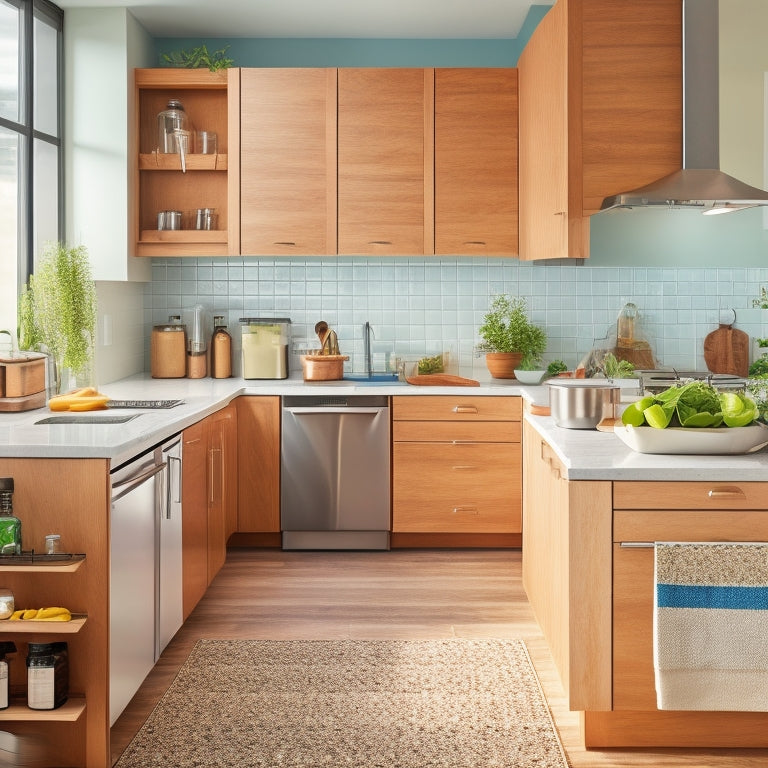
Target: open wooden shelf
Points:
x,y
156,161
68,712
38,565
33,627
183,236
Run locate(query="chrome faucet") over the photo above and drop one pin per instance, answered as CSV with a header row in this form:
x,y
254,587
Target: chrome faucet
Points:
x,y
367,333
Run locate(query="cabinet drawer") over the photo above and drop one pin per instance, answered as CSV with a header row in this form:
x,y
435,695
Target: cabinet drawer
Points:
x,y
699,495
456,408
447,432
456,488
694,525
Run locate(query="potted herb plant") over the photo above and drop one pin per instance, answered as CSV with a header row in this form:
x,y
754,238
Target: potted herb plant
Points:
x,y
508,336
57,310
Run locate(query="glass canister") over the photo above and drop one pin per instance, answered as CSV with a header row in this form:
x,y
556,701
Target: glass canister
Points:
x,y
168,350
170,122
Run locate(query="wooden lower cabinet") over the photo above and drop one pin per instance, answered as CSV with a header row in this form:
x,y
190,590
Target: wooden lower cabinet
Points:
x,y
70,497
209,500
258,439
645,513
456,470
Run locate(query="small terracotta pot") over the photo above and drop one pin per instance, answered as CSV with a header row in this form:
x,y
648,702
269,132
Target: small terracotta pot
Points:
x,y
502,364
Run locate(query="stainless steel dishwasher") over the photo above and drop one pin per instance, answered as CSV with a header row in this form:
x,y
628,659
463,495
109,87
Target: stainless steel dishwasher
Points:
x,y
334,476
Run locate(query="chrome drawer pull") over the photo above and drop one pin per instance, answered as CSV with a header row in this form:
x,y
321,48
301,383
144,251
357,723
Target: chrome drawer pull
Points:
x,y
727,492
465,409
467,510
636,544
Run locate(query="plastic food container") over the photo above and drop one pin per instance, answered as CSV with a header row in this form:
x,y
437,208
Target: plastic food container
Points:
x,y
582,403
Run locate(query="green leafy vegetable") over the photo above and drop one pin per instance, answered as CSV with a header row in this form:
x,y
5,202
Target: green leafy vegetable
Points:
x,y
695,404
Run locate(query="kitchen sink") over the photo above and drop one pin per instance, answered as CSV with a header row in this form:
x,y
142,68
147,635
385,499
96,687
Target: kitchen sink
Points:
x,y
86,418
373,379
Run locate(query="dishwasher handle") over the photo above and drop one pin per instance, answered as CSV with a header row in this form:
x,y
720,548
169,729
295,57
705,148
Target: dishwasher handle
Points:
x,y
309,410
131,483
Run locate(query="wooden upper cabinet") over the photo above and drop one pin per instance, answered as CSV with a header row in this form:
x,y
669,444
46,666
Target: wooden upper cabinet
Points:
x,y
211,101
600,113
476,151
385,161
288,161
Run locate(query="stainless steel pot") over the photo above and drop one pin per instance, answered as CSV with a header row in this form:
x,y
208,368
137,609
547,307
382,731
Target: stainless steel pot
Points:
x,y
582,403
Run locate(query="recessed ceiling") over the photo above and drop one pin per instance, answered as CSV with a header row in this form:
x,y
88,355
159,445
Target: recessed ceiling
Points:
x,y
414,19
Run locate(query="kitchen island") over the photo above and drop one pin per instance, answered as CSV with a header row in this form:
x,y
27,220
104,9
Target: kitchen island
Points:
x,y
592,509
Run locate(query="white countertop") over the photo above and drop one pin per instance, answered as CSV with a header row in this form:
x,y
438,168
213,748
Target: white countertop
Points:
x,y
585,454
20,436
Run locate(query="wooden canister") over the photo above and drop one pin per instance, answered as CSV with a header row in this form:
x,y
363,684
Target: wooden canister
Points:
x,y
168,351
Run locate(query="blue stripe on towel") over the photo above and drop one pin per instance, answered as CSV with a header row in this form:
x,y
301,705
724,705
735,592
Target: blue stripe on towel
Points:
x,y
693,596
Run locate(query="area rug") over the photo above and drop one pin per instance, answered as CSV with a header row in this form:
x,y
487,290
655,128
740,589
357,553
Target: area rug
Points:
x,y
351,703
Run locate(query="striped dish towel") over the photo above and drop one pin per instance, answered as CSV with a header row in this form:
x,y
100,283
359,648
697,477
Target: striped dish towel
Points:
x,y
710,648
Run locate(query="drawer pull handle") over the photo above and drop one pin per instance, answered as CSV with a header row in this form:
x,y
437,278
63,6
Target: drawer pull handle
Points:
x,y
463,467
726,492
636,544
285,242
465,510
465,409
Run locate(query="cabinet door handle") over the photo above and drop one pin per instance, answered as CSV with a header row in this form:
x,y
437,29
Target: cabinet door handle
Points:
x,y
461,467
284,242
465,409
726,492
214,470
474,242
468,510
379,242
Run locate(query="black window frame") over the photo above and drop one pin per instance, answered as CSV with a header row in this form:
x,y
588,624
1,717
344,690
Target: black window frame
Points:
x,y
54,17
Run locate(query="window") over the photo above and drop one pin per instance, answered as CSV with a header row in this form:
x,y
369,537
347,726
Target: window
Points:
x,y
30,141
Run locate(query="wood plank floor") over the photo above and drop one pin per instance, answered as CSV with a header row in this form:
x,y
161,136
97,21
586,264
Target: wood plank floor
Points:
x,y
400,594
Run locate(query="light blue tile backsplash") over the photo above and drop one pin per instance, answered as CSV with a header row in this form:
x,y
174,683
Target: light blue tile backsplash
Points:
x,y
422,306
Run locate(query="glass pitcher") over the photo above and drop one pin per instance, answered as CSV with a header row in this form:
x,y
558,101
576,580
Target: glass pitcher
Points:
x,y
174,131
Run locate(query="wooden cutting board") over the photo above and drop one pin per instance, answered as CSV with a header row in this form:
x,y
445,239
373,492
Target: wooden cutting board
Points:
x,y
441,380
726,350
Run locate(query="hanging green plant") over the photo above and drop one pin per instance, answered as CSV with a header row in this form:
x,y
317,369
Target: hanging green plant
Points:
x,y
197,58
57,309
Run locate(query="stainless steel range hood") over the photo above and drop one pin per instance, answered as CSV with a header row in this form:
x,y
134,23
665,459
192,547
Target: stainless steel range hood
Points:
x,y
700,184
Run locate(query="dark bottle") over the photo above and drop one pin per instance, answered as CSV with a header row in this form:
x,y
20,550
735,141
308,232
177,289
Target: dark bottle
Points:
x,y
47,675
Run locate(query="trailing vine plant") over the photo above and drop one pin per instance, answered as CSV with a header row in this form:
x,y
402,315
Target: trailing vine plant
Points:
x,y
57,309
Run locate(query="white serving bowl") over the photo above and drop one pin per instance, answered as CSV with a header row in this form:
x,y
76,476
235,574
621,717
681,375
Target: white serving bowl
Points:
x,y
529,377
693,440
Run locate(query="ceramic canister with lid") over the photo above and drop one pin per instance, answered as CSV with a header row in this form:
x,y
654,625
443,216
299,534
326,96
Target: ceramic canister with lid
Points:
x,y
168,345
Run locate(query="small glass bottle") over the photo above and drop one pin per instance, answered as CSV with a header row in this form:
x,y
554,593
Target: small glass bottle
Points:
x,y
10,526
221,350
53,544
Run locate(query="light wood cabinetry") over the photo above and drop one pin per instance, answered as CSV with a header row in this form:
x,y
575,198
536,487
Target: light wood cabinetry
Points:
x,y
476,151
456,469
385,170
71,497
258,438
645,512
567,571
209,500
212,103
288,161
600,113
